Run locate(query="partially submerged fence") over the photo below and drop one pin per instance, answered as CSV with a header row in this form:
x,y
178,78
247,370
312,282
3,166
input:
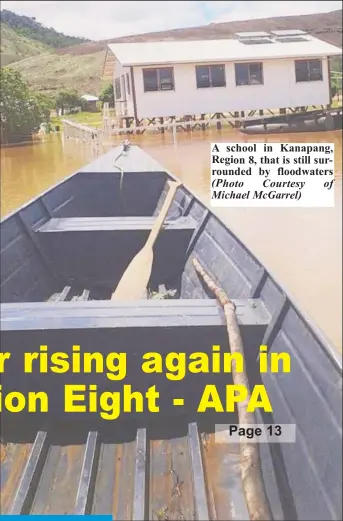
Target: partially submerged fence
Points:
x,y
96,137
99,135
112,127
83,132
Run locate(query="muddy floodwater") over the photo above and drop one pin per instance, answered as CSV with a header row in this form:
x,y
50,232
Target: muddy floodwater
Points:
x,y
301,247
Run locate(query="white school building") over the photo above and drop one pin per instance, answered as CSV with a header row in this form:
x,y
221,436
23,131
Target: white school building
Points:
x,y
253,71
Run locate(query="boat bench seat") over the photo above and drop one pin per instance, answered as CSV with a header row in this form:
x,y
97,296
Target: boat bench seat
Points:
x,y
148,313
93,252
92,224
134,328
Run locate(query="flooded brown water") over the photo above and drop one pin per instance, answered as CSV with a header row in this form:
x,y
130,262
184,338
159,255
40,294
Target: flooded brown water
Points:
x,y
301,247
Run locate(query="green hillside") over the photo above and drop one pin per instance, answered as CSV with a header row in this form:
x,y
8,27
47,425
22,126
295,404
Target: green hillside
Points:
x,y
23,37
80,66
30,28
15,47
49,72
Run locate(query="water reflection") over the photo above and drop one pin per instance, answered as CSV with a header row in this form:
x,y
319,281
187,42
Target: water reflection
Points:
x,y
28,170
301,247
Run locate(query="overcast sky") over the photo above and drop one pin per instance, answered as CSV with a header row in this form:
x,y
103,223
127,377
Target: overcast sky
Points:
x,y
102,20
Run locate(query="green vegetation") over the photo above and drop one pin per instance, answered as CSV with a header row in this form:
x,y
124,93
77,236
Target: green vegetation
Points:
x,y
336,85
92,119
69,103
68,99
30,28
22,110
107,95
23,37
336,64
50,73
336,80
15,47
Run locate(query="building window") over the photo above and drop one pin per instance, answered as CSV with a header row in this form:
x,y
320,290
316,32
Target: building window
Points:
x,y
210,76
308,70
123,87
158,79
249,74
117,88
128,83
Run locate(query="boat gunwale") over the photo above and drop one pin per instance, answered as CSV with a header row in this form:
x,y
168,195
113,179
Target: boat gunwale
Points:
x,y
325,344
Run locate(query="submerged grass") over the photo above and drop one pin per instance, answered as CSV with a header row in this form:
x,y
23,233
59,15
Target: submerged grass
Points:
x,y
92,119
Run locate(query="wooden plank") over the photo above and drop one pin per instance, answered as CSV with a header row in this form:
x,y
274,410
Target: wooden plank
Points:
x,y
137,475
145,313
85,224
73,246
31,475
85,489
140,476
132,328
199,483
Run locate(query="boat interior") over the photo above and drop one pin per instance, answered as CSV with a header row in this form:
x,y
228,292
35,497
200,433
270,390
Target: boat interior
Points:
x,y
62,256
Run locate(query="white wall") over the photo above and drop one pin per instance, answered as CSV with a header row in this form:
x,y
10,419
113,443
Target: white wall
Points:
x,y
126,100
279,90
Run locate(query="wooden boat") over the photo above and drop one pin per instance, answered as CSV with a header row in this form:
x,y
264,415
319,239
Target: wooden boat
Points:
x,y
61,257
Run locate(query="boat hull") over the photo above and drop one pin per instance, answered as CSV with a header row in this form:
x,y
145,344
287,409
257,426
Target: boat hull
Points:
x,y
42,258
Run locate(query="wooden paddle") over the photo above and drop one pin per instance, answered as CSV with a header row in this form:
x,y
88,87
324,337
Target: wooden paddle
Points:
x,y
134,282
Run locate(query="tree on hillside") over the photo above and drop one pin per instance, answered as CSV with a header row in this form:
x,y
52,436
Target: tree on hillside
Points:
x,y
30,28
22,110
68,99
107,95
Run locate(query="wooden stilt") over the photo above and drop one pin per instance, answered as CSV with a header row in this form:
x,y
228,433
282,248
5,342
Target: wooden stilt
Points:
x,y
219,125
